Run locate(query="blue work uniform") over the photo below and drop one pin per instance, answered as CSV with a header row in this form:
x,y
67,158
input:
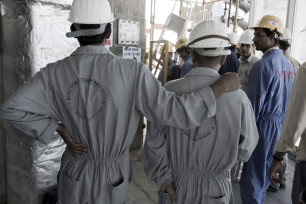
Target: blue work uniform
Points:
x,y
231,64
187,66
269,87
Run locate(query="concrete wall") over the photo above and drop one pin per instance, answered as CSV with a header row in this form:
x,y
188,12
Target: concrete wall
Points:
x,y
132,10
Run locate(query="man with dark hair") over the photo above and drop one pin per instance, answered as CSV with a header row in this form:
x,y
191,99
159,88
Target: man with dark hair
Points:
x,y
185,55
269,88
94,100
284,44
231,63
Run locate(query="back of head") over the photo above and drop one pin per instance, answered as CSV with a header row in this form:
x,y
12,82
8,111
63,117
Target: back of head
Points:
x,y
90,20
285,40
210,38
247,37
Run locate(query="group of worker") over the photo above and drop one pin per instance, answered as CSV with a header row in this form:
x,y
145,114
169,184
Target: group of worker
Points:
x,y
200,124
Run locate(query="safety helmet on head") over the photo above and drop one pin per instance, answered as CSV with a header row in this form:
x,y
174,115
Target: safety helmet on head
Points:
x,y
181,42
233,38
211,35
272,23
247,37
287,35
170,48
90,12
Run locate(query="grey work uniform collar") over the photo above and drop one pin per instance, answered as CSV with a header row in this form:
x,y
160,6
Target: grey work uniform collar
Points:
x,y
203,71
92,50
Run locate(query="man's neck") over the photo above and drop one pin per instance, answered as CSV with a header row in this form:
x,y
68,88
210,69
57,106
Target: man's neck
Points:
x,y
244,58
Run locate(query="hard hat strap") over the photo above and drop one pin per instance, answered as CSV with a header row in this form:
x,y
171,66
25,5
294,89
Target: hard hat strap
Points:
x,y
208,37
86,32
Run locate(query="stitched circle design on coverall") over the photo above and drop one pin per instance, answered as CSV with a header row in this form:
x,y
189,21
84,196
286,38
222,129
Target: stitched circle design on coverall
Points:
x,y
86,98
208,128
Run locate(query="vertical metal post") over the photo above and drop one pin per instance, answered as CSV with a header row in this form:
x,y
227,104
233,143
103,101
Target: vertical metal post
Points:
x,y
229,13
236,13
181,8
203,9
152,21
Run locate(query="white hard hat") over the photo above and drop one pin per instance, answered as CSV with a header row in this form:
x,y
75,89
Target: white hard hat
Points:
x,y
90,12
247,37
233,38
287,35
210,34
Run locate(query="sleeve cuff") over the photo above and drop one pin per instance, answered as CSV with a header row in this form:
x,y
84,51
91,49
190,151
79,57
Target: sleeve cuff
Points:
x,y
209,99
281,147
48,135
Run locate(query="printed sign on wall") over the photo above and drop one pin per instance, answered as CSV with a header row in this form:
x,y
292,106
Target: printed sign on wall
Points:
x,y
132,53
128,32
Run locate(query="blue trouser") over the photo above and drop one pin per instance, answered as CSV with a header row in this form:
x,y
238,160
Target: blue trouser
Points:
x,y
299,181
255,177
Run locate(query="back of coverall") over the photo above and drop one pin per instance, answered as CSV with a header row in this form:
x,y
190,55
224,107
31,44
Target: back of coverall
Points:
x,y
199,160
99,97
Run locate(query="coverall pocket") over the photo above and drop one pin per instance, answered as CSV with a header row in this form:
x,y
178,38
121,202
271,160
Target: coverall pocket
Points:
x,y
164,198
69,196
221,200
119,192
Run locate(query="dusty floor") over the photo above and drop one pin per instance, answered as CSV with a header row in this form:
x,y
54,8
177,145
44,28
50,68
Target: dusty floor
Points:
x,y
144,191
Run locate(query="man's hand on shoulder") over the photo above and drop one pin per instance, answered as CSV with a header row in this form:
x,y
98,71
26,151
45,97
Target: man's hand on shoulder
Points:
x,y
74,148
228,82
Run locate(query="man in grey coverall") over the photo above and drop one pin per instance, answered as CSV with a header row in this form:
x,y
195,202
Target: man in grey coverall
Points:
x,y
98,99
193,165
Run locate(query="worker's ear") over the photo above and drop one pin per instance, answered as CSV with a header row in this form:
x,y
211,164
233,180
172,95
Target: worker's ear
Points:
x,y
108,31
223,58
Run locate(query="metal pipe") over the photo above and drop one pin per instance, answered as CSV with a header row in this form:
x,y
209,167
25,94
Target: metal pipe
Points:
x,y
235,18
229,13
203,9
181,8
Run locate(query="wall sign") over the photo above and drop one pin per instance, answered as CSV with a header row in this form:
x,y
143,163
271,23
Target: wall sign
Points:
x,y
128,32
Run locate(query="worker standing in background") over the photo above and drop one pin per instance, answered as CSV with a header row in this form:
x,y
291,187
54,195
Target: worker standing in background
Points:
x,y
247,58
94,100
231,64
193,165
171,63
294,129
269,88
284,44
184,53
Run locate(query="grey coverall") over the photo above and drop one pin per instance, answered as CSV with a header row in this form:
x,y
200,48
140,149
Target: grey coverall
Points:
x,y
199,160
99,97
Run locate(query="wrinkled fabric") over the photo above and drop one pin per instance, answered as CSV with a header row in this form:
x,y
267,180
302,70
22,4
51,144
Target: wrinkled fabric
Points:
x,y
99,97
199,160
296,65
231,64
269,87
295,122
187,66
244,71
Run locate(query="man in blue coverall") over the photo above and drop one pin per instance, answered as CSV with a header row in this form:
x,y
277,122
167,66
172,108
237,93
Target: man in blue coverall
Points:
x,y
185,55
270,83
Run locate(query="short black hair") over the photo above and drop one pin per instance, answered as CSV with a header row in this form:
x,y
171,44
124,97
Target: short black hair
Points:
x,y
283,44
270,33
183,49
95,39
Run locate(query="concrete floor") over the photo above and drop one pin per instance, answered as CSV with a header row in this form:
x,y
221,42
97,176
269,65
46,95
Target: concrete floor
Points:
x,y
144,191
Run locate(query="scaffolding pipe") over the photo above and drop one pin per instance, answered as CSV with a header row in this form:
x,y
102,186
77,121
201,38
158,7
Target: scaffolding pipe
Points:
x,y
229,13
152,14
236,14
203,11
